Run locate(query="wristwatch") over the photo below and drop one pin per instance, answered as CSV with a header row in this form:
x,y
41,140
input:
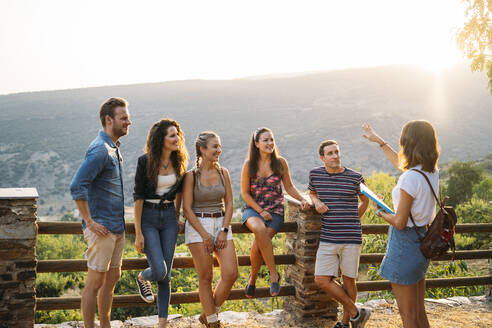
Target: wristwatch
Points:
x,y
226,230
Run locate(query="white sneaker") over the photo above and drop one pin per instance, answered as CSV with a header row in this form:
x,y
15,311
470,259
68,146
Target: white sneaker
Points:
x,y
145,290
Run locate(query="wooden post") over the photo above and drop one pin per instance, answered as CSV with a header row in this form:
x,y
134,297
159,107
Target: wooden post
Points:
x,y
18,232
309,300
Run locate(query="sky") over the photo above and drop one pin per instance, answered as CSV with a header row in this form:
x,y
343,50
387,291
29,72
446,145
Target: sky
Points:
x,y
62,44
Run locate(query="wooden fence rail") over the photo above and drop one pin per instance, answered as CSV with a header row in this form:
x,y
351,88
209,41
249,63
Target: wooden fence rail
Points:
x,y
243,260
74,228
65,303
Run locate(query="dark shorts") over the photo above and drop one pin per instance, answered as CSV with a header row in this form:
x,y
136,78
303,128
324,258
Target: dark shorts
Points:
x,y
276,223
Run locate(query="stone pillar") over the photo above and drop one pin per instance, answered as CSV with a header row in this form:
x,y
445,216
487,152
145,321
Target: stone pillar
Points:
x,y
309,300
18,230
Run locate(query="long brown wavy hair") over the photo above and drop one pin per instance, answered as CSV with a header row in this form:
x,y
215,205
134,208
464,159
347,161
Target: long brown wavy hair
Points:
x,y
153,150
254,155
418,142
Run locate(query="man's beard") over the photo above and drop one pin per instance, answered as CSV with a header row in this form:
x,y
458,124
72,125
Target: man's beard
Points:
x,y
119,131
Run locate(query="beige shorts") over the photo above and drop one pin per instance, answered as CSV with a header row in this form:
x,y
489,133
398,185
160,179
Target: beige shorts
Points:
x,y
211,225
332,257
103,253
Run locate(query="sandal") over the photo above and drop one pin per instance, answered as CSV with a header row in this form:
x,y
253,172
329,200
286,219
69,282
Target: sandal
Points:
x,y
250,290
275,286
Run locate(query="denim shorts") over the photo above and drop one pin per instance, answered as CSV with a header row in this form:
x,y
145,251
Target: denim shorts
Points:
x,y
275,223
404,262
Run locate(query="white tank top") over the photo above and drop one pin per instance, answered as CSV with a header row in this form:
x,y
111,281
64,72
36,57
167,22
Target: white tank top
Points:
x,y
164,184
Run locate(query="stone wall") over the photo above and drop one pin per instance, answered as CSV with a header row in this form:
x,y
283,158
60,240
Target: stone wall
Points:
x,y
18,231
309,301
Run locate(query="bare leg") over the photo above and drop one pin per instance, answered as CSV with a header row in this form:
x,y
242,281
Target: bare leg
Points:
x,y
228,272
204,267
162,322
424,322
334,290
257,259
351,289
93,284
264,242
105,296
256,262
406,297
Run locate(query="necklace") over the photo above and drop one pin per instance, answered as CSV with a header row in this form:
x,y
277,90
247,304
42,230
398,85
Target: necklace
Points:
x,y
165,166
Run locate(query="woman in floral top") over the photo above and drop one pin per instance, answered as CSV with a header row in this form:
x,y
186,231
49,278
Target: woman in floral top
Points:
x,y
261,178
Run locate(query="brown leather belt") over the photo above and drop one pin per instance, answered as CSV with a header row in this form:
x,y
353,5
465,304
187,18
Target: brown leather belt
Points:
x,y
210,215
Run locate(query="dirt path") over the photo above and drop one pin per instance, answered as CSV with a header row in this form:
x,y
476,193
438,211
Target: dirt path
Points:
x,y
386,316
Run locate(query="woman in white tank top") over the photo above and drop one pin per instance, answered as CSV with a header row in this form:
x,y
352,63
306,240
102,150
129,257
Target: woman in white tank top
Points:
x,y
404,264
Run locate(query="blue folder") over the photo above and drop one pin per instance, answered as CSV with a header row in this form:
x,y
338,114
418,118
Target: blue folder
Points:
x,y
372,196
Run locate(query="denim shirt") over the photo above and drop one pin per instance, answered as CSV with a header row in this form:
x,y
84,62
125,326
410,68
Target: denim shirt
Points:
x,y
99,181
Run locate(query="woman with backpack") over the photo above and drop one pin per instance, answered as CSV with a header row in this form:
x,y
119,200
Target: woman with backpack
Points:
x,y
157,197
208,206
404,265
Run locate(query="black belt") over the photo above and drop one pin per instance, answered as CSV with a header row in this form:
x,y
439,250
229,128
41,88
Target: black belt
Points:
x,y
158,206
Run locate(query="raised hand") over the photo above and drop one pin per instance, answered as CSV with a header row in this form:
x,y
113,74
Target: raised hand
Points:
x,y
370,134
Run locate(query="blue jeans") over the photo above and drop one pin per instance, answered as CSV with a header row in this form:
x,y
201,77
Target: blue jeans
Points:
x,y
160,231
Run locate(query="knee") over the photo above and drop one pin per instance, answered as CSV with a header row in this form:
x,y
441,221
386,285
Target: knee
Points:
x,y
259,231
322,282
205,279
349,281
159,273
230,277
94,285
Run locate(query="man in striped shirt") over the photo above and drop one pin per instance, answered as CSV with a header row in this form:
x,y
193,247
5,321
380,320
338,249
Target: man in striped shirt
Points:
x,y
335,192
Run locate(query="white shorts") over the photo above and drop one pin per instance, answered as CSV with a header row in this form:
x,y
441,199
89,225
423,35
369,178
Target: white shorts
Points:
x,y
211,225
332,257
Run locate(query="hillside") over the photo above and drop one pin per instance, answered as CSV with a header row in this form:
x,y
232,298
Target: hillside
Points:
x,y
44,135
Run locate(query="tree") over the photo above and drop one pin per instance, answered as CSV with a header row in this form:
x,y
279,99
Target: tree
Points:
x,y
475,36
462,177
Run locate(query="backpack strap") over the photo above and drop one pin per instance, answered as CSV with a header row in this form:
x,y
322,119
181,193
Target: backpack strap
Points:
x,y
416,228
435,196
430,186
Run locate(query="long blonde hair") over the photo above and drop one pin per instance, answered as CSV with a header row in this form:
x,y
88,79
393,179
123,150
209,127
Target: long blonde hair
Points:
x,y
202,141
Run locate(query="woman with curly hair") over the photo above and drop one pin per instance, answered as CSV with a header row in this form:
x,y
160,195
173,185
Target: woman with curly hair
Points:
x,y
208,206
263,174
404,265
157,195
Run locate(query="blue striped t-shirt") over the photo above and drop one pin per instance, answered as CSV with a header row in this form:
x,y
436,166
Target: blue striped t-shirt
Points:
x,y
339,191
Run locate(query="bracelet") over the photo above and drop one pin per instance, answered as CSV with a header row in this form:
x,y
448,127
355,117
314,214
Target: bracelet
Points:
x,y
383,144
378,212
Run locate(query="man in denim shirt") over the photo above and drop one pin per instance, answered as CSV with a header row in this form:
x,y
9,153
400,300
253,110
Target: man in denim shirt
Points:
x,y
97,189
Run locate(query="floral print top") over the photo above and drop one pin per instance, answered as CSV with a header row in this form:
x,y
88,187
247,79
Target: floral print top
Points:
x,y
267,193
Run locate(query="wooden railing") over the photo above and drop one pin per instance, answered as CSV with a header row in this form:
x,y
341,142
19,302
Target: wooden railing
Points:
x,y
68,265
